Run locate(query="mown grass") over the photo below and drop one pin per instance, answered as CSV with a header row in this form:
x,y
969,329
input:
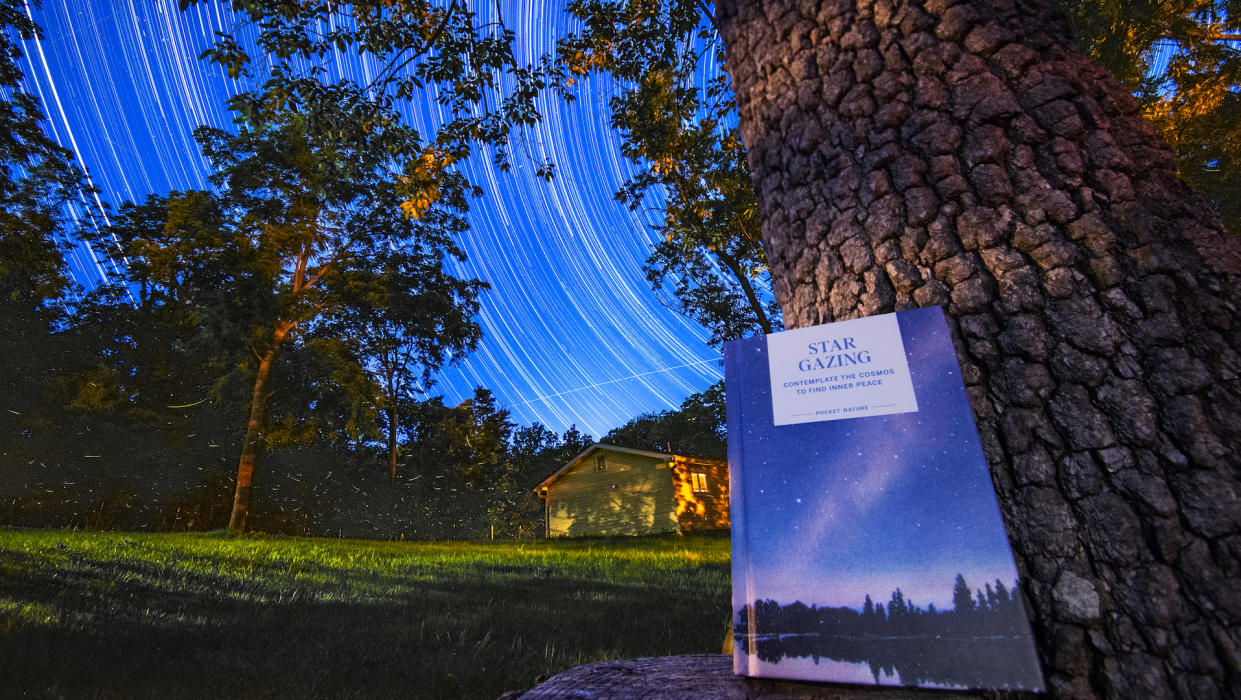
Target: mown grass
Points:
x,y
174,615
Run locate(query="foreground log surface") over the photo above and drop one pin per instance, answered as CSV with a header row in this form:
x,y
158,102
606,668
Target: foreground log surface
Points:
x,y
699,676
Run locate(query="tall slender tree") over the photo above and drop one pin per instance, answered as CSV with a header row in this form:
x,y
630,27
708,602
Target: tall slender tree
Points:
x,y
964,153
352,134
962,599
318,201
412,316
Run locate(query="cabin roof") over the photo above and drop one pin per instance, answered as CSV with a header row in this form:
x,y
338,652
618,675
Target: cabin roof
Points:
x,y
542,487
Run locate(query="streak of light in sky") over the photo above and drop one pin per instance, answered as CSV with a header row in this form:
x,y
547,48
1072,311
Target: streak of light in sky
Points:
x,y
572,332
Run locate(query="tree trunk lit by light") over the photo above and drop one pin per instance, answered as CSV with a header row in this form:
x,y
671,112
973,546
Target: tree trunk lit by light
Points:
x,y
253,442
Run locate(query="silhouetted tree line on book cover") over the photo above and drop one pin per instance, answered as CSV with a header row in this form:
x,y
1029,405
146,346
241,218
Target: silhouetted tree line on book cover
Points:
x,y
981,642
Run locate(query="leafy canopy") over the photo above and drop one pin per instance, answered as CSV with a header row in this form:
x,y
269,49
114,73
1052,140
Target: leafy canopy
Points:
x,y
418,50
676,115
697,428
37,177
1182,60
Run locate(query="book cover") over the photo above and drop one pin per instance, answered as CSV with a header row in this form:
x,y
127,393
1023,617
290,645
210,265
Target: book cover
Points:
x,y
868,545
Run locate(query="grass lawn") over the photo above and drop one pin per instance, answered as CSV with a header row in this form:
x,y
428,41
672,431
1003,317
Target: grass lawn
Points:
x,y
172,615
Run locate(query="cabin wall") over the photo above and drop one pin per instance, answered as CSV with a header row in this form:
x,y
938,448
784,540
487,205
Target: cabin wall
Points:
x,y
701,509
633,496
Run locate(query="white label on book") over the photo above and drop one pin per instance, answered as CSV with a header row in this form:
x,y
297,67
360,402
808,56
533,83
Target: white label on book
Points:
x,y
847,369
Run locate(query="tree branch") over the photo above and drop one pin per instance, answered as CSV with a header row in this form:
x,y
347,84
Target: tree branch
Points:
x,y
709,14
326,266
735,267
392,68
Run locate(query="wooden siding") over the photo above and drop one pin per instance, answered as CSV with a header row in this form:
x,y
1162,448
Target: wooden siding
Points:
x,y
701,510
634,496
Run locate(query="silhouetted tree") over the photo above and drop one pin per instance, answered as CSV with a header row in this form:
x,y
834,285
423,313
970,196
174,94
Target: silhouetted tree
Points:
x,y
405,314
537,452
695,429
37,176
1001,593
321,210
962,599
896,607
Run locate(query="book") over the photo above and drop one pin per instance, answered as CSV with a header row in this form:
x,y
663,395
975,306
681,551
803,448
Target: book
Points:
x,y
867,541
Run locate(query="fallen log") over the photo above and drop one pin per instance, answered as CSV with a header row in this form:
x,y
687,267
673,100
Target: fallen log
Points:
x,y
705,676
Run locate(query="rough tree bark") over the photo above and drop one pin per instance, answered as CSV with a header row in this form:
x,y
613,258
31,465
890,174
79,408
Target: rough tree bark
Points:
x,y
963,153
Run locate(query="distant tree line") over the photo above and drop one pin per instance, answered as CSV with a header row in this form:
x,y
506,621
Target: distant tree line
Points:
x,y
124,415
698,428
89,450
997,611
980,642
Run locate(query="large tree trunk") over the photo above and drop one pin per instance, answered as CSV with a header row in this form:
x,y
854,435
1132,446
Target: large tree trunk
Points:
x,y
964,153
253,442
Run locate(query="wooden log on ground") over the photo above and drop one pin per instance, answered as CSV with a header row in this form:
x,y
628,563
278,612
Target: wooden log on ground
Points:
x,y
702,676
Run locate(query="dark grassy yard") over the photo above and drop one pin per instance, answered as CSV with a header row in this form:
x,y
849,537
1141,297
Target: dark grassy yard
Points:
x,y
146,615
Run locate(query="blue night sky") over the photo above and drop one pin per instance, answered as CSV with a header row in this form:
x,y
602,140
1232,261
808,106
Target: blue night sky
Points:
x,y
865,505
573,333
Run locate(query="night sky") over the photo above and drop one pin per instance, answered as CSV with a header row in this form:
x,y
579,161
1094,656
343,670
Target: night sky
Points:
x,y
836,510
573,333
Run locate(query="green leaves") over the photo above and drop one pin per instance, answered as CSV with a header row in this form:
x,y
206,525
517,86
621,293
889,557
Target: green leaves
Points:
x,y
677,123
697,428
469,62
1182,60
227,53
37,176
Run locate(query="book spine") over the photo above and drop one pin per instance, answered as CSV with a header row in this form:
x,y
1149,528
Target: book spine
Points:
x,y
742,582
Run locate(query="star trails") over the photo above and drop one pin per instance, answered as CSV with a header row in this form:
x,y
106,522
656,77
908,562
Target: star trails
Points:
x,y
570,318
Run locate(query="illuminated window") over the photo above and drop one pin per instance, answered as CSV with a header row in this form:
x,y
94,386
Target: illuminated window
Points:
x,y
699,481
601,463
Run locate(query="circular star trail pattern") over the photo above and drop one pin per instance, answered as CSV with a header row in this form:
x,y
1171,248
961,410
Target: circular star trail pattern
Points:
x,y
573,334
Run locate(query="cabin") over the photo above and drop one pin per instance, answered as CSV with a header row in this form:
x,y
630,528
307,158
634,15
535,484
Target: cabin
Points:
x,y
611,490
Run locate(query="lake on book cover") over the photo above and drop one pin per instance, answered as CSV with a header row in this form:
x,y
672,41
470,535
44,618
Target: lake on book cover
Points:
x,y
930,662
981,643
